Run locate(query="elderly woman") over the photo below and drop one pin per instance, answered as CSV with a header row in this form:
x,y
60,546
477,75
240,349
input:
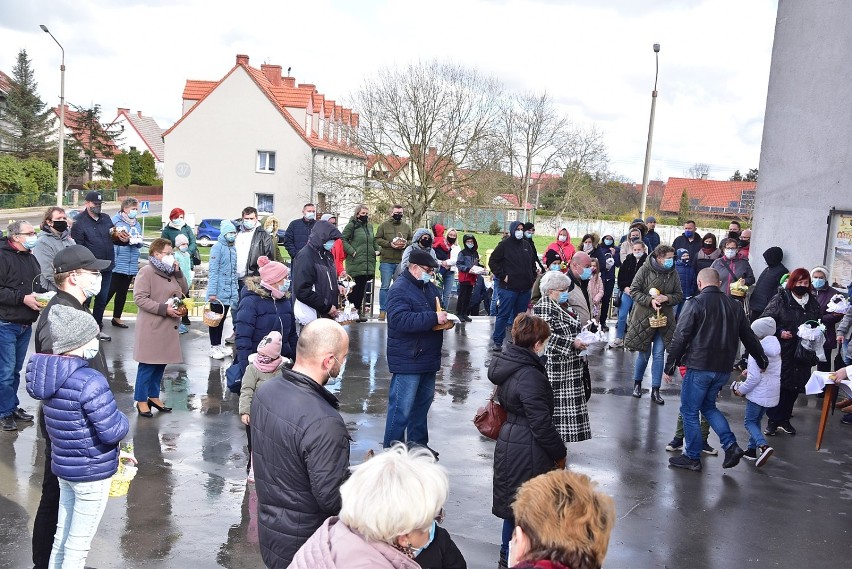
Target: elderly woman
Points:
x,y
790,308
156,343
361,250
564,366
126,257
655,290
54,237
388,515
823,292
731,268
529,443
561,521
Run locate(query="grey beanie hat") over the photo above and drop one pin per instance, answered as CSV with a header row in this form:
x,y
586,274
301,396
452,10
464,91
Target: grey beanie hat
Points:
x,y
70,328
763,327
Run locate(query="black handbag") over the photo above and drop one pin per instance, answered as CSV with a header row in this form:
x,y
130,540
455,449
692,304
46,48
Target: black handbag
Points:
x,y
805,356
587,382
196,258
616,299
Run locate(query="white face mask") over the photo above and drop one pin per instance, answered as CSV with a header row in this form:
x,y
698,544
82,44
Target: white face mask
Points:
x,y
95,287
730,253
91,349
168,260
563,238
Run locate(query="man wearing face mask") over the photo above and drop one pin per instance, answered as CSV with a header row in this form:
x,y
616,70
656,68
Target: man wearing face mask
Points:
x,y
77,276
392,237
413,351
529,234
422,241
314,274
299,231
652,238
54,237
300,451
690,240
745,244
513,266
580,271
98,234
734,230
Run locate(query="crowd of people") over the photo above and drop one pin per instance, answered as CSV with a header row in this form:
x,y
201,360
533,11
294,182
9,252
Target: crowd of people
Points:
x,y
693,300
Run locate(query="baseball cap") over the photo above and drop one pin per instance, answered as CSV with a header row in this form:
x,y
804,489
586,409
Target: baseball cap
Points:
x,y
651,219
77,257
94,197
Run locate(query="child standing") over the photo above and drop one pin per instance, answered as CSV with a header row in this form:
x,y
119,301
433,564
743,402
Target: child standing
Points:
x,y
184,259
265,364
762,389
85,428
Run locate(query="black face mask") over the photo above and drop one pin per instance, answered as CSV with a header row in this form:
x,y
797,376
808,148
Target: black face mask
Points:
x,y
744,243
734,234
427,242
95,209
60,225
451,240
362,218
800,291
397,217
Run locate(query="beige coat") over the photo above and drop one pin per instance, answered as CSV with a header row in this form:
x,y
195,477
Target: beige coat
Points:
x,y
157,340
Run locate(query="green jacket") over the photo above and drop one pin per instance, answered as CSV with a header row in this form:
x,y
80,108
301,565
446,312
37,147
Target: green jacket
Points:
x,y
171,234
360,247
639,332
385,234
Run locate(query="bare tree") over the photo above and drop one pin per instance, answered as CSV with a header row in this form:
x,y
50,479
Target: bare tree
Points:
x,y
585,170
427,130
699,171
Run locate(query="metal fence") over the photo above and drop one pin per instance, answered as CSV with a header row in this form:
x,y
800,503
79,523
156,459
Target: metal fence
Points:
x,y
70,198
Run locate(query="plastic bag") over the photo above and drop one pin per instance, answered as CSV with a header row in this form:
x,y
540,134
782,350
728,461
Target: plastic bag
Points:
x,y
838,303
812,337
595,340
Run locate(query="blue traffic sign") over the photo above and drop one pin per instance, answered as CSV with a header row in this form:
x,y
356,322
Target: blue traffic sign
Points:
x,y
144,207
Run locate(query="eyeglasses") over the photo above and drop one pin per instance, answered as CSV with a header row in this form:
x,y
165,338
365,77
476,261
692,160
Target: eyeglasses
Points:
x,y
429,270
30,234
440,517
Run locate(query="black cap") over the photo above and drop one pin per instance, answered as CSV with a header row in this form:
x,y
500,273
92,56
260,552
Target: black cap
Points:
x,y
94,197
77,257
422,258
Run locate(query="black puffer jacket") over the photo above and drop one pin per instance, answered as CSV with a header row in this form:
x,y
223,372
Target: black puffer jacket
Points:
x,y
789,315
515,259
301,457
314,275
528,444
18,270
768,281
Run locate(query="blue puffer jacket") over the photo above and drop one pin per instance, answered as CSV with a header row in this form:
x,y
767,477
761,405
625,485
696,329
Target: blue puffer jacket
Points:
x,y
260,314
413,347
83,421
127,257
222,280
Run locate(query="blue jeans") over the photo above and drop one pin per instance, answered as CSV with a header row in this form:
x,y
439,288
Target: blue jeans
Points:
x,y
623,312
14,341
493,309
508,529
753,418
698,394
511,304
81,507
449,281
386,270
409,400
148,378
658,349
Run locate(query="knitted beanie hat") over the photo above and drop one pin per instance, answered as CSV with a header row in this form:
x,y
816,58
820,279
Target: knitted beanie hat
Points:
x,y
271,272
227,227
270,345
181,239
763,327
70,328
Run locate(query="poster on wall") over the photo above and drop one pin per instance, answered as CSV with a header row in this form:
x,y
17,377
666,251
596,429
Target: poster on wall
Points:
x,y
839,250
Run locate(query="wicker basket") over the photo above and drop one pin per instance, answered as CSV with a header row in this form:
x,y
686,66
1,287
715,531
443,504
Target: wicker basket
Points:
x,y
658,321
738,292
213,319
120,483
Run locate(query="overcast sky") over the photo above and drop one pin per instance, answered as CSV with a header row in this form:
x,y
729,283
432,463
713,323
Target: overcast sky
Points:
x,y
594,57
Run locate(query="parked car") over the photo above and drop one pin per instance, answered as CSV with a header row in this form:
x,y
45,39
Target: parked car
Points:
x,y
207,232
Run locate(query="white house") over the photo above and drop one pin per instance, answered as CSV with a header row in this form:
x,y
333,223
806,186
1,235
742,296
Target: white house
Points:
x,y
256,138
141,133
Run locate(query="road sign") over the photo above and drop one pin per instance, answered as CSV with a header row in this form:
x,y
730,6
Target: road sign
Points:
x,y
144,207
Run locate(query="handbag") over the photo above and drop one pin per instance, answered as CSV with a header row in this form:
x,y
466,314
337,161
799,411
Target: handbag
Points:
x,y
490,418
805,356
304,314
616,299
196,258
587,382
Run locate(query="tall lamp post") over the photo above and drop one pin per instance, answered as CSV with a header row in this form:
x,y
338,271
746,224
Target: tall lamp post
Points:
x,y
60,167
650,135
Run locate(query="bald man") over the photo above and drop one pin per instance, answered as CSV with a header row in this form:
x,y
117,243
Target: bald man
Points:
x,y
300,445
580,271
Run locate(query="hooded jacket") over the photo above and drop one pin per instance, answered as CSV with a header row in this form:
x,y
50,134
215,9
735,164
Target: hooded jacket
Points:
x,y
566,250
603,252
651,275
769,281
297,235
222,275
415,242
686,271
83,421
789,315
314,276
467,259
528,444
413,347
439,244
260,314
513,262
18,270
764,388
47,246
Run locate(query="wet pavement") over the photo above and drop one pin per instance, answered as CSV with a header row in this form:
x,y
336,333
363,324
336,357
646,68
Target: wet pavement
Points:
x,y
189,506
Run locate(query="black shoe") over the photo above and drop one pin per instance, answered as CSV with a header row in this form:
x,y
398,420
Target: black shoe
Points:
x,y
655,396
684,461
733,454
143,413
231,339
637,389
8,423
496,348
103,337
118,323
161,408
22,415
787,428
846,419
750,454
604,328
765,452
771,429
467,319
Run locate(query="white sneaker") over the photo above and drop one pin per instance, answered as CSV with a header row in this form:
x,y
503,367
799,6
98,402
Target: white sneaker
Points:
x,y
216,353
616,343
225,351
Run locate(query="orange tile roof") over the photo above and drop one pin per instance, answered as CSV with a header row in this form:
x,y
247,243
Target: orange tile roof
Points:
x,y
722,197
197,90
73,118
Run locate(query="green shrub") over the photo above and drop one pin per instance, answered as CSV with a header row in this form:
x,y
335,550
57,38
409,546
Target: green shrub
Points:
x,y
494,228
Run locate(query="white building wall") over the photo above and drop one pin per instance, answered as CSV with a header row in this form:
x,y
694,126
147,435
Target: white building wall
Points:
x,y
211,156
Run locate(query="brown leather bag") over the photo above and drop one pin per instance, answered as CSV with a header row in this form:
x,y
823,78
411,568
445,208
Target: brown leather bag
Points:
x,y
490,418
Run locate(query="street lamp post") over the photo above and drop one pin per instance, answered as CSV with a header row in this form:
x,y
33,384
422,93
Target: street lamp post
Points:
x,y
650,135
60,166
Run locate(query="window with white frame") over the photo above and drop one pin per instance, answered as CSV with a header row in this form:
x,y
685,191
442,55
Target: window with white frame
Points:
x,y
265,203
266,161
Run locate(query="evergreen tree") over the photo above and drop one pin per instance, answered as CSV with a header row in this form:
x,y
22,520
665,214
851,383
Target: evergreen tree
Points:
x,y
148,169
737,177
752,175
98,141
25,123
683,212
135,159
121,170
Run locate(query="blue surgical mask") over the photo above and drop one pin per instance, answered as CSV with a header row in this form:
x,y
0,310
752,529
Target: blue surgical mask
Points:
x,y
819,283
133,213
31,241
285,286
668,263
248,224
230,237
688,233
328,244
608,242
426,277
431,538
556,267
528,235
587,274
519,234
563,297
310,215
469,245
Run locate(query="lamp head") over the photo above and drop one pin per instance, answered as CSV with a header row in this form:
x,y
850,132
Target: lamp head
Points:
x,y
656,47
44,28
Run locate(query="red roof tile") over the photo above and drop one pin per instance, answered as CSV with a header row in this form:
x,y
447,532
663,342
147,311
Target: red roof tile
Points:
x,y
72,118
718,197
197,90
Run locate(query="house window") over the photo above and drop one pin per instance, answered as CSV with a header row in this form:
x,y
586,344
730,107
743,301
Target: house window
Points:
x,y
265,203
265,161
511,215
733,204
322,202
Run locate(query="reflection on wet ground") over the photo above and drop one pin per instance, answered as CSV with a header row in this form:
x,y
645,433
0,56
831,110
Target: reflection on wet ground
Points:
x,y
190,506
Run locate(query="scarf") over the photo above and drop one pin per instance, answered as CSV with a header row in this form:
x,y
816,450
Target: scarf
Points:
x,y
160,266
126,219
802,301
276,294
266,364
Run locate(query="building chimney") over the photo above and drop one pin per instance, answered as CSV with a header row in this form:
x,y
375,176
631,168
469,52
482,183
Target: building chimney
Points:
x,y
242,59
308,87
704,176
290,82
122,110
139,114
273,73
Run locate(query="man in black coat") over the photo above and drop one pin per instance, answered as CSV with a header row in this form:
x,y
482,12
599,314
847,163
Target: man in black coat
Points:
x,y
314,277
300,451
690,240
297,233
706,340
513,266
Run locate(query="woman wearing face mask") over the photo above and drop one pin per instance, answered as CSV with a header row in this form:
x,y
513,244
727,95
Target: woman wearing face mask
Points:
x,y
708,253
659,276
177,226
422,240
562,245
181,253
563,364
156,342
126,258
54,237
315,285
626,273
823,293
222,287
467,258
589,242
361,252
731,268
791,307
553,263
635,235
608,260
448,265
529,443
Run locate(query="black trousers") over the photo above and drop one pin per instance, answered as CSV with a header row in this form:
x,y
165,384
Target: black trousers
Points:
x,y
248,438
44,525
605,301
463,302
118,287
216,333
356,295
784,410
